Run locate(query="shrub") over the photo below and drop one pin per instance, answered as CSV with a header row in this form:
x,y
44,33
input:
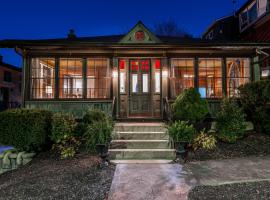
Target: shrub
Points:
x,y
230,121
25,129
93,116
205,141
99,132
63,135
255,99
181,131
189,106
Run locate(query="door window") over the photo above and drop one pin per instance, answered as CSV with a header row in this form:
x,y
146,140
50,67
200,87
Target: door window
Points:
x,y
145,80
135,88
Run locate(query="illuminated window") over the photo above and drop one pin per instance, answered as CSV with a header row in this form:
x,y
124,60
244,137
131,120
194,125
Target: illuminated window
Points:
x,y
98,78
122,69
210,78
182,75
42,78
238,73
70,78
157,69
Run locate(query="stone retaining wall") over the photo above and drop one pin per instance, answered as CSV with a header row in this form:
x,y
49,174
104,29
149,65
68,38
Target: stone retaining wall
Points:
x,y
10,160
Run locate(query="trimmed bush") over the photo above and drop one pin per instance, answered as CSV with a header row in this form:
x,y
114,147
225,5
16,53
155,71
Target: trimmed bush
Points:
x,y
63,125
189,106
230,121
93,116
63,134
25,129
255,99
99,132
181,131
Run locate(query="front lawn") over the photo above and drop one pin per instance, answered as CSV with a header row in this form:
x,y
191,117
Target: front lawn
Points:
x,y
254,144
49,178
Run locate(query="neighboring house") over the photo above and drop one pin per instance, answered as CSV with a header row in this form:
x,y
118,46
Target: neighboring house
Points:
x,y
225,28
10,86
131,75
250,23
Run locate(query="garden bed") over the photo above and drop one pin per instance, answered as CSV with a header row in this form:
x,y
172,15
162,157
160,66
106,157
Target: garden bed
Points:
x,y
253,145
48,178
252,190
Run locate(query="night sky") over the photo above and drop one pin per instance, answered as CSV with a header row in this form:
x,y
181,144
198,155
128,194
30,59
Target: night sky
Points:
x,y
40,19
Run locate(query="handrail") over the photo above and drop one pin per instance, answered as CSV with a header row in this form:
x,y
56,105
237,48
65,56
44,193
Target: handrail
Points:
x,y
114,108
167,110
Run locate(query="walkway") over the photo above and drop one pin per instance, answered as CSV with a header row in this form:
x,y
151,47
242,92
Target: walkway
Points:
x,y
173,181
231,170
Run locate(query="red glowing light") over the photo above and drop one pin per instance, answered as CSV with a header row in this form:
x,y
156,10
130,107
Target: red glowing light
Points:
x,y
122,64
157,64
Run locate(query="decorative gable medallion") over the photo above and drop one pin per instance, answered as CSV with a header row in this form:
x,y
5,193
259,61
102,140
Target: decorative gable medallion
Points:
x,y
139,34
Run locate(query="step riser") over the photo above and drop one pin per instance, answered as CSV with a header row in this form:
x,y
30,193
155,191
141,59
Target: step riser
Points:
x,y
139,129
140,136
140,145
121,155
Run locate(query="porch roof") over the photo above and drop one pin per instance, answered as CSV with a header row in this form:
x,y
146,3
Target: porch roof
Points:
x,y
112,40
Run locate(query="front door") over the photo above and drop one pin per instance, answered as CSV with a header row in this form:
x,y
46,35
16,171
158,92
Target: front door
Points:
x,y
140,88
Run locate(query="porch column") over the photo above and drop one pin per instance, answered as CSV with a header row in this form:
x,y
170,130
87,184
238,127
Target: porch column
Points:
x,y
115,78
165,73
224,76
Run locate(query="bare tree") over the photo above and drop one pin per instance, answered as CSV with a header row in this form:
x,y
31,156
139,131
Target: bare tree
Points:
x,y
170,28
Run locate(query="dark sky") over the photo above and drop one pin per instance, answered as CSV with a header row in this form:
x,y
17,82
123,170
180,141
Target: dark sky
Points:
x,y
35,19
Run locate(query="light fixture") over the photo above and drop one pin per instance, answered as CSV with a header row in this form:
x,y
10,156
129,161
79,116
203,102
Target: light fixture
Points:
x,y
165,73
265,73
188,76
115,73
48,89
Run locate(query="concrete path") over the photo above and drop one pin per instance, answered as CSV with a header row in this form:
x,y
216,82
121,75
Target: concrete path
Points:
x,y
151,182
173,181
231,170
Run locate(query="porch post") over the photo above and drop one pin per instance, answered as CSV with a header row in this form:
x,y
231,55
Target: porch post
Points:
x,y
224,77
196,73
56,89
165,73
115,78
24,85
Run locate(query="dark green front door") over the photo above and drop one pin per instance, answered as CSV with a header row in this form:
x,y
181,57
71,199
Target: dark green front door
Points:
x,y
140,88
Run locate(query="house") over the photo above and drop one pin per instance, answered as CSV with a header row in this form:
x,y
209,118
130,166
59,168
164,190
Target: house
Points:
x,y
10,85
225,28
251,22
131,76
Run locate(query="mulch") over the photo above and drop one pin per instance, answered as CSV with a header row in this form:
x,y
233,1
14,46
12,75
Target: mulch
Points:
x,y
47,177
255,144
236,191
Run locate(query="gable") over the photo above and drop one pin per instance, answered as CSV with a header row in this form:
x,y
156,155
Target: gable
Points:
x,y
139,34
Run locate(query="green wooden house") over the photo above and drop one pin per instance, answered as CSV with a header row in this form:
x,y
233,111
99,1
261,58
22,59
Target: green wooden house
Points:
x,y
131,76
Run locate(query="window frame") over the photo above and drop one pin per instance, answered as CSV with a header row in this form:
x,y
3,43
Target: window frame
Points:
x,y
172,73
7,78
221,77
27,87
227,77
30,78
110,77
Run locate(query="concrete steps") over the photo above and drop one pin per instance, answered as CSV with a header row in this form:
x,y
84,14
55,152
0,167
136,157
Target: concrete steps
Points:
x,y
142,154
135,135
140,143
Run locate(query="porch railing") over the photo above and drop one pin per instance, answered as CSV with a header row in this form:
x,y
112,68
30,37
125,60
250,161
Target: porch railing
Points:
x,y
114,108
167,112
